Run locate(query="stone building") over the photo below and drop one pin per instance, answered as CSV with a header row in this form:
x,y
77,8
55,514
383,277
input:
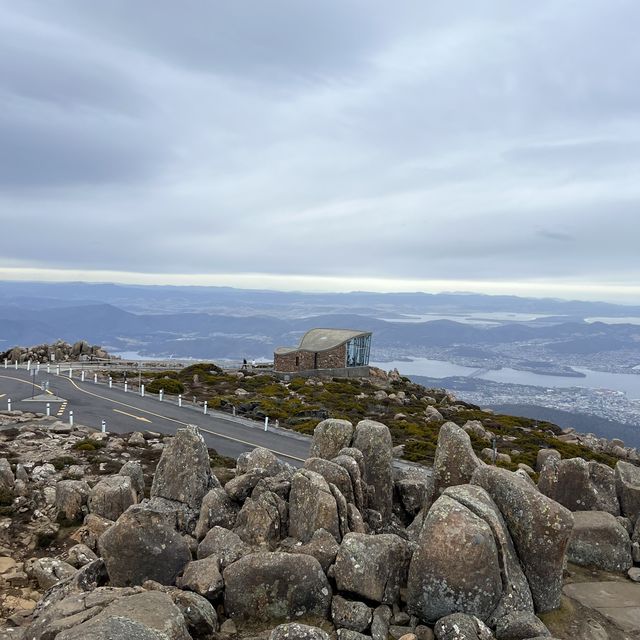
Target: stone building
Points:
x,y
326,349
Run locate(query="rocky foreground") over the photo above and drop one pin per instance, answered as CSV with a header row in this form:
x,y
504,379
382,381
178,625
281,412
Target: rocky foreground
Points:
x,y
347,547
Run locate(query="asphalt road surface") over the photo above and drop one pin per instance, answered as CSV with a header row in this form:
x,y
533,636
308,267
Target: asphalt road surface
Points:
x,y
126,412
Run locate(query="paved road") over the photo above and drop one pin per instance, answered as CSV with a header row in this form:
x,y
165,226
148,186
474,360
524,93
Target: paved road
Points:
x,y
91,403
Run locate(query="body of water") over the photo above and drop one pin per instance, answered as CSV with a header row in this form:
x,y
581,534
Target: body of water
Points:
x,y
627,382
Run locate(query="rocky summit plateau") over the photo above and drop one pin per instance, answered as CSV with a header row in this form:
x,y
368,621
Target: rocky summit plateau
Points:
x,y
140,536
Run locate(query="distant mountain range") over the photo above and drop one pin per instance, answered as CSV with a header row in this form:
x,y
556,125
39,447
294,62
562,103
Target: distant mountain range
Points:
x,y
210,322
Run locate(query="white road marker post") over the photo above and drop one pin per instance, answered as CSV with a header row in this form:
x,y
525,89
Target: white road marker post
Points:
x,y
103,426
48,368
28,365
180,400
82,376
71,418
37,367
266,422
70,373
16,364
110,382
234,410
8,404
48,409
205,408
5,363
142,391
57,369
125,386
95,378
160,394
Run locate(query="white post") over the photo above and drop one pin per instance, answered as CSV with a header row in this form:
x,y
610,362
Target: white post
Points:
x,y
110,382
142,391
82,376
70,373
37,367
205,408
57,369
5,363
160,394
234,410
48,368
9,404
48,409
125,386
71,418
266,422
16,364
180,400
95,378
103,427
28,365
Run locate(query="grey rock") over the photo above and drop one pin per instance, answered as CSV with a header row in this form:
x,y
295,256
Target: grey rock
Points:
x,y
457,565
579,485
7,478
240,487
110,629
71,499
544,456
203,577
80,555
374,440
455,461
539,527
264,588
334,474
353,468
198,613
136,439
226,546
142,546
48,571
599,541
329,437
133,469
414,489
516,595
263,520
460,626
259,458
112,496
380,622
518,625
349,634
297,631
372,566
217,510
628,489
311,506
184,473
322,546
350,614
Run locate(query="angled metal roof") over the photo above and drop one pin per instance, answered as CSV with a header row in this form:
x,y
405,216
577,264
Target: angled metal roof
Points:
x,y
322,339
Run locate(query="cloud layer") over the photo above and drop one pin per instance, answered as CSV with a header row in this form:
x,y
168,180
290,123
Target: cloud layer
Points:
x,y
346,139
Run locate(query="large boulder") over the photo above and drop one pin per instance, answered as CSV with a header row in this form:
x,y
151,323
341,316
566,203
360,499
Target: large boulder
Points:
x,y
518,625
312,506
150,614
329,437
112,496
579,485
263,520
226,546
141,546
516,594
540,529
184,473
263,588
628,488
71,499
133,469
297,631
203,577
414,489
455,460
372,566
322,546
333,473
259,458
456,567
598,540
217,510
374,440
546,455
461,626
350,614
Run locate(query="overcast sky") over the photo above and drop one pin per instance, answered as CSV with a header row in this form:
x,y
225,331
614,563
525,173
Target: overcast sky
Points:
x,y
490,146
